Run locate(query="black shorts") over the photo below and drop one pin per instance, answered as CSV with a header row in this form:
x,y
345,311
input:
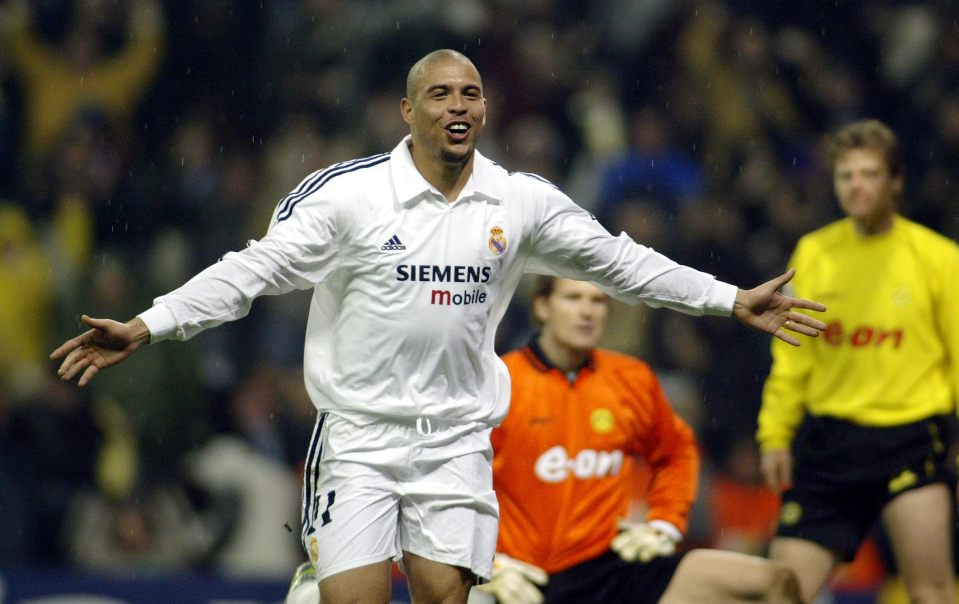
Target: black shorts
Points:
x,y
844,475
609,579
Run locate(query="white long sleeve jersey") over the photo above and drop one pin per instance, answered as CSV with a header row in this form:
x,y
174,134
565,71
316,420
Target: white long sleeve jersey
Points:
x,y
409,288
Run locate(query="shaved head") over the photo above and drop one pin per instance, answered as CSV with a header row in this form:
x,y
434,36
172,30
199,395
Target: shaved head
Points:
x,y
416,71
445,110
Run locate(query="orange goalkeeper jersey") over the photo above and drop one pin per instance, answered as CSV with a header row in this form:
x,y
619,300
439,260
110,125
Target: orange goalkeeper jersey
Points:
x,y
562,456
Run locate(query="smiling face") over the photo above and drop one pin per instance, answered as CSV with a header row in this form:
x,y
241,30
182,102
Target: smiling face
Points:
x,y
866,190
445,110
573,317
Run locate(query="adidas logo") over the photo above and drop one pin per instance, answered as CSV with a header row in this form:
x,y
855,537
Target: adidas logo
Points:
x,y
393,245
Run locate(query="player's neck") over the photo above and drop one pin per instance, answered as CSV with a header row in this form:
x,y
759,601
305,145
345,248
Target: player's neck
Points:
x,y
561,356
449,178
870,226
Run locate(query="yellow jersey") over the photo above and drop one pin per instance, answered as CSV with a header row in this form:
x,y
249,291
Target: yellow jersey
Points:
x,y
890,352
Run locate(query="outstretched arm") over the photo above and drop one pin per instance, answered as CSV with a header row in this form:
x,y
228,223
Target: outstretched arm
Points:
x,y
766,309
107,343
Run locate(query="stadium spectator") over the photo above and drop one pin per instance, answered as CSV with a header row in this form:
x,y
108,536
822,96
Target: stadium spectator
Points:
x,y
50,445
105,61
580,417
9,128
653,168
742,510
601,128
861,425
262,494
398,371
82,187
26,303
730,64
151,530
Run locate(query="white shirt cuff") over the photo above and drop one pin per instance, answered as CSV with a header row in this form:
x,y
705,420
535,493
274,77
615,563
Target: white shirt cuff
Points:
x,y
721,299
160,321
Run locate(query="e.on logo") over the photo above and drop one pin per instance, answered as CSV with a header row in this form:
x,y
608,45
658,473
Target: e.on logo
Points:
x,y
555,464
864,335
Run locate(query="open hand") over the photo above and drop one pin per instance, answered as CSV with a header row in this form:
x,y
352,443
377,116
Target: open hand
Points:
x,y
107,343
767,309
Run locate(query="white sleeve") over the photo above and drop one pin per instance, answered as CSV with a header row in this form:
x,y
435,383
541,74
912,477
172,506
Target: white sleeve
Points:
x,y
297,252
569,242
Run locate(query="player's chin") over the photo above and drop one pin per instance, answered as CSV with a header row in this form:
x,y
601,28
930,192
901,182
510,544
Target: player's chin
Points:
x,y
584,343
457,154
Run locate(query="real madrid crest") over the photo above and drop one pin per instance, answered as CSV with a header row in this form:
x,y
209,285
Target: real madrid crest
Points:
x,y
497,241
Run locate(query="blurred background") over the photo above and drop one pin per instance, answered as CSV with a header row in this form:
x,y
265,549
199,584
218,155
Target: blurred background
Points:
x,y
140,140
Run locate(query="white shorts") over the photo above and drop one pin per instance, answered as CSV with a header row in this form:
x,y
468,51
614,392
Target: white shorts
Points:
x,y
371,492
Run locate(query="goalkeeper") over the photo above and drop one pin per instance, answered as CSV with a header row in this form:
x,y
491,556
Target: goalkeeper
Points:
x,y
578,416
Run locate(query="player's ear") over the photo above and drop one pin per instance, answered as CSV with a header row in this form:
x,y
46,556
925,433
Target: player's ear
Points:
x,y
540,309
406,110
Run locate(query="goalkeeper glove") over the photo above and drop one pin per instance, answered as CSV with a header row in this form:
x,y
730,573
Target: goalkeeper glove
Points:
x,y
303,588
515,581
643,541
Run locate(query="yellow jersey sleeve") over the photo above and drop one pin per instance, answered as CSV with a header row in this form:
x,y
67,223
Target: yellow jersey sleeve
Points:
x,y
785,388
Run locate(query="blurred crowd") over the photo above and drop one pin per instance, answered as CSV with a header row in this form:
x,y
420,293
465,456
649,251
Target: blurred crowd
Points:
x,y
140,140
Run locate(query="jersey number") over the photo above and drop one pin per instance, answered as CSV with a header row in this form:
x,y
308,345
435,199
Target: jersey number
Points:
x,y
325,516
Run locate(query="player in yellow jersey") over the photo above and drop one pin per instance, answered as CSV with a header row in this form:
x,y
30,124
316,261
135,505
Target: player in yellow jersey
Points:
x,y
860,424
